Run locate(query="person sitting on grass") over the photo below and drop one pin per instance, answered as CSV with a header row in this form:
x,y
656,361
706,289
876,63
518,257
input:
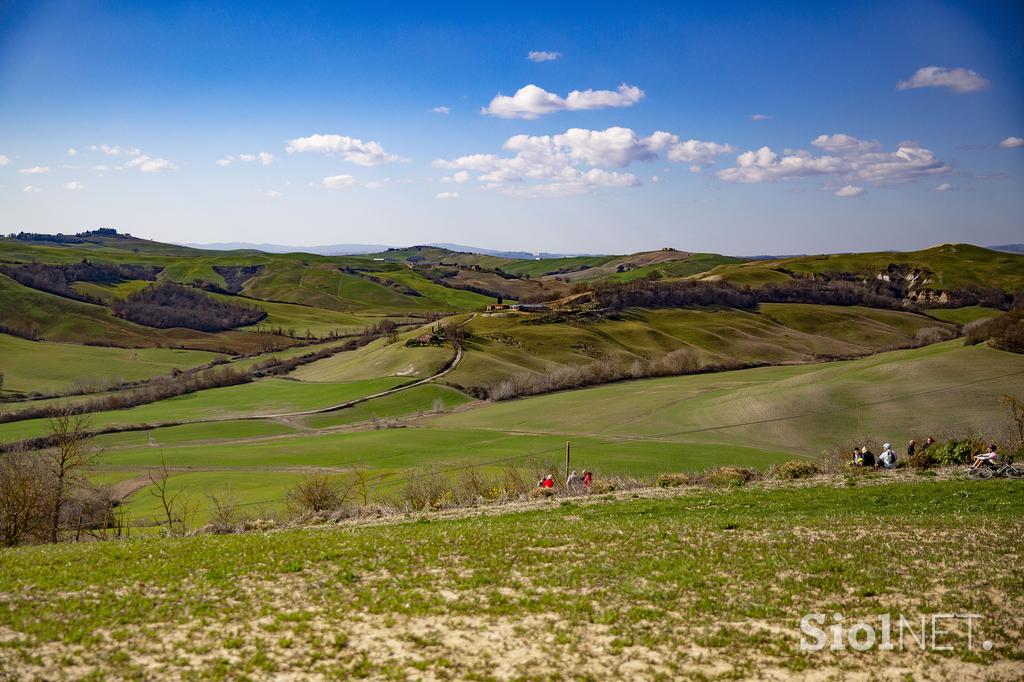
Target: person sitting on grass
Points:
x,y
986,458
887,458
574,483
911,448
867,458
547,482
858,459
587,478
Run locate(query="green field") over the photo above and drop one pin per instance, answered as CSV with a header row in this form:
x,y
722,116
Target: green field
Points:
x,y
750,417
695,586
46,367
267,396
964,315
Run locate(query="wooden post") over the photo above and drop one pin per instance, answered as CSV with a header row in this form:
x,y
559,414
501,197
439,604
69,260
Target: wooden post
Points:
x,y
568,445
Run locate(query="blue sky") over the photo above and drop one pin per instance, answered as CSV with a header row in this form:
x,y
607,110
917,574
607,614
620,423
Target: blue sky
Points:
x,y
658,146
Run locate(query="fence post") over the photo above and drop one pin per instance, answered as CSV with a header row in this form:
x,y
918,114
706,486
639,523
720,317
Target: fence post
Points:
x,y
568,445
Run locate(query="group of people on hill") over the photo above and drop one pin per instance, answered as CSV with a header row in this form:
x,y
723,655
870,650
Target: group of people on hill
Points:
x,y
575,483
863,457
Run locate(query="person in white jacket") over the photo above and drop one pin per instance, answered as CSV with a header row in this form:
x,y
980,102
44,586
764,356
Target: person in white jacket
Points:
x,y
887,458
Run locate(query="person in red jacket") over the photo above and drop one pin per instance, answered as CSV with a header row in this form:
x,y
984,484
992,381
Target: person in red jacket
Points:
x,y
547,482
587,477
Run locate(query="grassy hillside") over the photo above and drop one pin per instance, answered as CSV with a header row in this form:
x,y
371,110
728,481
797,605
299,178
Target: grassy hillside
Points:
x,y
502,345
692,586
802,409
39,366
54,318
950,266
750,417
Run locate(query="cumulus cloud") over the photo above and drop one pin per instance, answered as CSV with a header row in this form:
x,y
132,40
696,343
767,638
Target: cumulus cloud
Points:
x,y
349,148
459,177
441,110
148,164
264,159
448,195
850,191
74,186
761,117
72,151
1012,142
339,181
30,189
4,160
543,56
272,193
34,170
958,80
531,101
844,156
576,161
944,187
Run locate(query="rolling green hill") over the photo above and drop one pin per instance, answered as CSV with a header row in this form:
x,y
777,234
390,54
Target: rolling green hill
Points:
x,y
940,268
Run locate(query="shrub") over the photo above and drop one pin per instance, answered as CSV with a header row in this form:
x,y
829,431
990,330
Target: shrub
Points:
x,y
542,493
677,479
922,459
316,493
729,476
794,469
957,452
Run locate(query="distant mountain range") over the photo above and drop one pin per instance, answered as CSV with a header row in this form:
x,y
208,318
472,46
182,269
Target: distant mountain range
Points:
x,y
1009,248
357,249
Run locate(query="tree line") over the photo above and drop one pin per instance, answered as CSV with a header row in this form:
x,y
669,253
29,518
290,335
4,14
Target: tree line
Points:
x,y
168,305
57,279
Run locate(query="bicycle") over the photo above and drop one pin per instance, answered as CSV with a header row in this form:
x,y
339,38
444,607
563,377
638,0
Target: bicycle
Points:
x,y
987,471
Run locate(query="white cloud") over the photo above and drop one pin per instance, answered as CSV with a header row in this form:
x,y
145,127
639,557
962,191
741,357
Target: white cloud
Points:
x,y
448,195
4,160
845,157
761,117
656,180
574,162
339,181
459,177
944,187
34,170
107,149
957,80
264,158
148,164
1012,142
272,193
850,191
531,101
74,186
30,188
543,56
350,148
441,110
72,151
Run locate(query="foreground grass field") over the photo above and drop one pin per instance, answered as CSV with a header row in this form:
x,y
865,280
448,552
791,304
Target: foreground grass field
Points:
x,y
707,584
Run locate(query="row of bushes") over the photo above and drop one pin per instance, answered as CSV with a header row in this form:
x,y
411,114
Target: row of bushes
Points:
x,y
565,377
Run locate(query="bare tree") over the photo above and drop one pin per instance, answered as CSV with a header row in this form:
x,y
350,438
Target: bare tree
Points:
x,y
24,497
71,453
176,509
